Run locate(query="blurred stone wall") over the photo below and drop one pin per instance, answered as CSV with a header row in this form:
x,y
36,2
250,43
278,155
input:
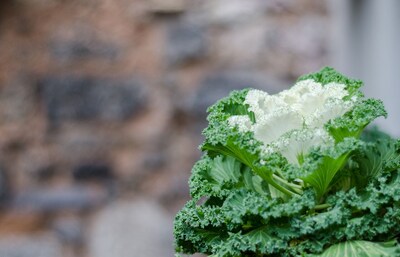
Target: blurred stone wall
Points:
x,y
102,103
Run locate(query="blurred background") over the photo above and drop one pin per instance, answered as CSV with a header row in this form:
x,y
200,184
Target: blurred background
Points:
x,y
102,103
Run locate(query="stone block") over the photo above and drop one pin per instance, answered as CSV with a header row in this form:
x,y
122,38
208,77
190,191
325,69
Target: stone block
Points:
x,y
185,43
77,49
4,187
88,98
92,171
17,99
27,246
20,222
233,12
166,6
59,199
124,229
70,230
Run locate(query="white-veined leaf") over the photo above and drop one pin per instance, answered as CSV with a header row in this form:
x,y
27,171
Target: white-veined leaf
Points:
x,y
361,249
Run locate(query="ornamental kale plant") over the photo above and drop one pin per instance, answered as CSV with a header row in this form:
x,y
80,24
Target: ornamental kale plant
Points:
x,y
294,174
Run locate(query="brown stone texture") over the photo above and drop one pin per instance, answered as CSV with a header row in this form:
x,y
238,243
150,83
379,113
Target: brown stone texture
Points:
x,y
103,101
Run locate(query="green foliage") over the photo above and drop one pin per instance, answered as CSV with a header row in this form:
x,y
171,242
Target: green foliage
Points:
x,y
362,248
330,164
328,75
339,199
353,123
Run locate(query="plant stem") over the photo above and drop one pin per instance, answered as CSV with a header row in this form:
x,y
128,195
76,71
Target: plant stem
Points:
x,y
294,187
281,188
322,206
268,178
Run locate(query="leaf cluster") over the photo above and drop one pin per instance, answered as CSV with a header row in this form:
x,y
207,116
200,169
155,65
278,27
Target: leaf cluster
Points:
x,y
341,201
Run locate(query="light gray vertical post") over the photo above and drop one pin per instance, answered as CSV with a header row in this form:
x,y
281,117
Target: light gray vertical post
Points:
x,y
366,45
